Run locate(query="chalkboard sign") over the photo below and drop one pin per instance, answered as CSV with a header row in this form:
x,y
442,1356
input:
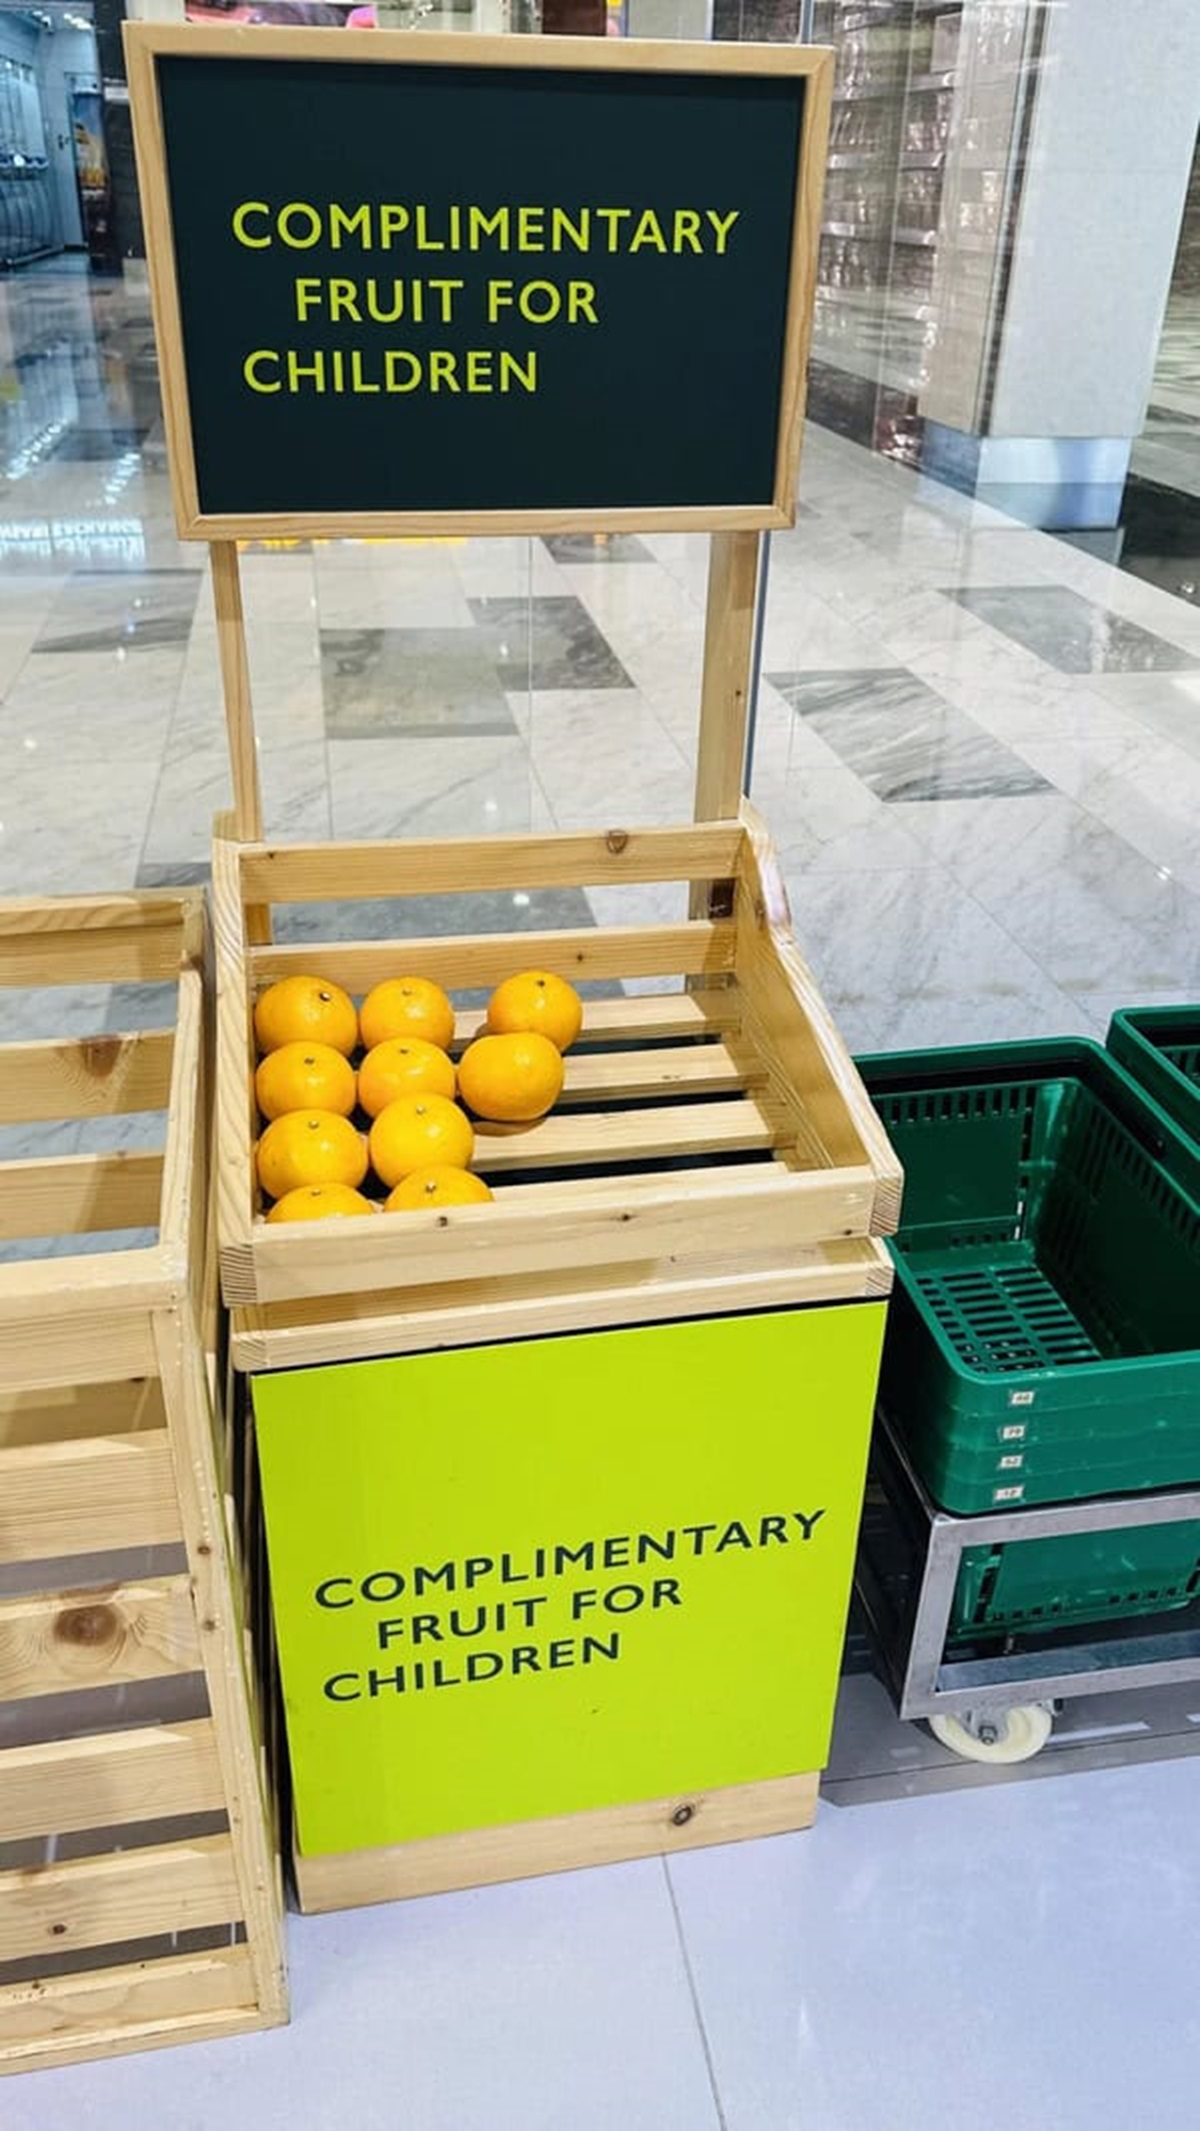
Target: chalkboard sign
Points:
x,y
473,284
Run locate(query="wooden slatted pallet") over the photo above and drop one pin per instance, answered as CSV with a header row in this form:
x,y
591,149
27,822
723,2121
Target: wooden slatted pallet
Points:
x,y
714,1148
139,1895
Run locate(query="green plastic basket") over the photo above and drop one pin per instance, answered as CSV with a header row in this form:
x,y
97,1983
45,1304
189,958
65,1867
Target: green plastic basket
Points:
x,y
1160,1046
1031,1586
1048,1276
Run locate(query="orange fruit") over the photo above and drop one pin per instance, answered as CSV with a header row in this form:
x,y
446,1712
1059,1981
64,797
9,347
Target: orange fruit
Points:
x,y
310,1147
416,1131
407,1006
317,1202
306,1010
404,1065
511,1079
305,1076
439,1185
536,999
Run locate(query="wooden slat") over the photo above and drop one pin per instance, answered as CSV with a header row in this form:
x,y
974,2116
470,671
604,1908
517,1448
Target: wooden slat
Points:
x,y
314,873
72,1412
683,1069
75,1194
95,939
787,1020
645,1018
91,1076
181,1181
235,687
545,1227
676,1130
81,1498
109,1779
130,1631
725,692
474,1313
130,1894
685,950
141,2005
80,1320
482,1857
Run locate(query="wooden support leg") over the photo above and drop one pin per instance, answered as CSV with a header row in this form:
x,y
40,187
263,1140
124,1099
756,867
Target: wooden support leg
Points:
x,y
725,691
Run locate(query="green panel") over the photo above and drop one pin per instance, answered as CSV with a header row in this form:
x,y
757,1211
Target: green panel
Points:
x,y
447,1666
1039,1584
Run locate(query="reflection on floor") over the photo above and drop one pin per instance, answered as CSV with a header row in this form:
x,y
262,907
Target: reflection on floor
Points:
x,y
979,749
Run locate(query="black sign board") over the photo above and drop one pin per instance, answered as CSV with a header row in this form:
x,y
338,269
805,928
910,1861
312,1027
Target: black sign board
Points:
x,y
473,284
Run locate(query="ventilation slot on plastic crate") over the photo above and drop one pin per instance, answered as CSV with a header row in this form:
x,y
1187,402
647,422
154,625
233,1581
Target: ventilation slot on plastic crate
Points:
x,y
1006,1318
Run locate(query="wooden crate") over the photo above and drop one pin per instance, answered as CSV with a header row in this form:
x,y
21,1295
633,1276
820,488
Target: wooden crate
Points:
x,y
714,1148
139,1896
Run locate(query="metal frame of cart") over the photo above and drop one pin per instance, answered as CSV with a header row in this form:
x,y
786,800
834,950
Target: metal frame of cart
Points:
x,y
912,1637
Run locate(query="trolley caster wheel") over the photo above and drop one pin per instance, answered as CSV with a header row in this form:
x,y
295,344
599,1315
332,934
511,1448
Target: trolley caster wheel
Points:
x,y
998,1736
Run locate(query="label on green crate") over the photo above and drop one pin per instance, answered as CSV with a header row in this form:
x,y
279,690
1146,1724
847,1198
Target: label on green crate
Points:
x,y
520,1581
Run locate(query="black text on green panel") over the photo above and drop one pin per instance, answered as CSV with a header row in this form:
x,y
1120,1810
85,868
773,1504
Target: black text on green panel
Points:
x,y
415,288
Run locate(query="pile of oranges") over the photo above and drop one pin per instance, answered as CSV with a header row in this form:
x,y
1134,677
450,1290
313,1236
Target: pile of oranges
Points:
x,y
419,1140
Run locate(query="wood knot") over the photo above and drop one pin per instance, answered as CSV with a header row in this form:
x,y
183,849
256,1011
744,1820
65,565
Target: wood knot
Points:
x,y
616,841
100,1054
87,1626
682,1814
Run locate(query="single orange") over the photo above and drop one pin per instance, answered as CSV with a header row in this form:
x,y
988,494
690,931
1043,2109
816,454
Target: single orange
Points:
x,y
407,1006
404,1065
306,1010
536,999
511,1079
318,1202
439,1185
305,1076
310,1147
416,1131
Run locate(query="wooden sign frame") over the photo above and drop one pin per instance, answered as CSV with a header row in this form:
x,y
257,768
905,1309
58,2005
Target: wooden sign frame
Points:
x,y
147,43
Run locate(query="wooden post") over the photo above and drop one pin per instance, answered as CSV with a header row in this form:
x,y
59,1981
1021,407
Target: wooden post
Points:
x,y
235,680
725,688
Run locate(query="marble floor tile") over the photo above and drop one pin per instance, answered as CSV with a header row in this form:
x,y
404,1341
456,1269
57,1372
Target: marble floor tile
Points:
x,y
1166,703
111,610
908,960
506,569
72,827
548,643
1091,910
196,786
385,788
425,916
828,820
427,683
596,547
1069,632
604,759
82,443
392,597
67,704
901,738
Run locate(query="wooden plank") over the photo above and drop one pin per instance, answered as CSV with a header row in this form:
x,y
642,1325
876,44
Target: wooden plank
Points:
x,y
92,1076
189,1124
787,1019
233,1156
658,1827
139,2006
228,1673
127,1894
645,1018
475,1313
235,685
93,939
314,873
127,1631
109,1779
74,1194
83,1498
544,1227
725,689
683,1069
71,1413
685,950
806,241
79,1320
671,1132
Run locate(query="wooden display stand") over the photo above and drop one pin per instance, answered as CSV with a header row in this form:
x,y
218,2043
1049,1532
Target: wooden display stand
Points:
x,y
762,1178
107,1446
